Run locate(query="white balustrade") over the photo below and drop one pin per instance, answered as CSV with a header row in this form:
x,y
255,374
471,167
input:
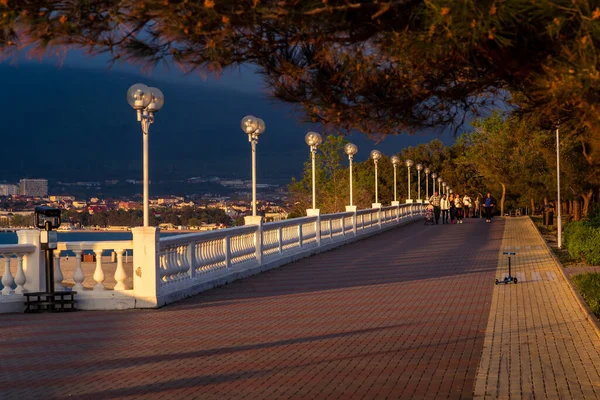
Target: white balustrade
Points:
x,y
95,248
166,269
13,287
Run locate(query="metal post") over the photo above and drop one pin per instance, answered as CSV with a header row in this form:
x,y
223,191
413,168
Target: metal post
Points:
x,y
350,158
146,174
419,184
395,188
426,186
409,182
376,192
558,206
313,150
253,141
49,263
434,186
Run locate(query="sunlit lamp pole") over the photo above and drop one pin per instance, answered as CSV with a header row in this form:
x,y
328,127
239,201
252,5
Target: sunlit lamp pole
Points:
x,y
419,169
558,206
350,149
376,155
395,162
313,140
146,101
427,171
444,187
253,127
409,163
433,177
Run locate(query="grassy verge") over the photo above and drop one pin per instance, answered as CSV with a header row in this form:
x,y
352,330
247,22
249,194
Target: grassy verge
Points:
x,y
588,286
588,283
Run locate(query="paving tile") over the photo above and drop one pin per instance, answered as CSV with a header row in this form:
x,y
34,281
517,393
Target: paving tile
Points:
x,y
536,331
411,313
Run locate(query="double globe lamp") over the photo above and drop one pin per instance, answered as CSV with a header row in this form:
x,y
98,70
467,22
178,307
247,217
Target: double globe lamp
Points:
x,y
313,140
253,127
146,101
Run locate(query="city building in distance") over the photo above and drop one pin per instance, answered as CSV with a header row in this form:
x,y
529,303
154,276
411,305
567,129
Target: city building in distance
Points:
x,y
9,190
34,187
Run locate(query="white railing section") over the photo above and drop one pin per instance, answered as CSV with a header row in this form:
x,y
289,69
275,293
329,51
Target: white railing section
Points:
x,y
167,269
13,286
196,257
183,257
96,248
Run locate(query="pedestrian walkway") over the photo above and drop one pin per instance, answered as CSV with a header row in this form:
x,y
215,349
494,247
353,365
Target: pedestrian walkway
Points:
x,y
401,315
538,342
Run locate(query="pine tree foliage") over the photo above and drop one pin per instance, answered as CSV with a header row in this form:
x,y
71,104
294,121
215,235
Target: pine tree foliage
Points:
x,y
377,66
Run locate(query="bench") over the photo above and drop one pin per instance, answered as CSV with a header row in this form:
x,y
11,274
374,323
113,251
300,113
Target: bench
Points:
x,y
37,302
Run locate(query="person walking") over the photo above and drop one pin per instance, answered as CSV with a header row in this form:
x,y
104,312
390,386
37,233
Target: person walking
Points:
x,y
477,210
459,208
452,209
466,205
445,207
489,205
435,202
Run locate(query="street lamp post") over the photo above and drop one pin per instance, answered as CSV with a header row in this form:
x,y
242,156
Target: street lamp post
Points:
x,y
433,176
313,140
395,163
444,187
558,206
376,155
419,169
350,149
253,127
427,171
408,163
146,101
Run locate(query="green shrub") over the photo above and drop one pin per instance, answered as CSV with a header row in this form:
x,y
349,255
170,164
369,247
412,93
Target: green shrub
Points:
x,y
582,241
588,286
594,217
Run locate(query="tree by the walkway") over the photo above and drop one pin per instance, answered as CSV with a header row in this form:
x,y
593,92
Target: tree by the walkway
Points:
x,y
376,66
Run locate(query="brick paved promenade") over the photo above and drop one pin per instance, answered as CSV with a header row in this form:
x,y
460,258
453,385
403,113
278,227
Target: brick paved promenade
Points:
x,y
538,342
399,315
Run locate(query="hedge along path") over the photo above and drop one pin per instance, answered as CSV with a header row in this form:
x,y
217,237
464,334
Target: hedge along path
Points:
x,y
539,342
582,241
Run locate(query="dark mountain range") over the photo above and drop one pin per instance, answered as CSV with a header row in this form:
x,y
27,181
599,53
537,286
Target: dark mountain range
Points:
x,y
74,124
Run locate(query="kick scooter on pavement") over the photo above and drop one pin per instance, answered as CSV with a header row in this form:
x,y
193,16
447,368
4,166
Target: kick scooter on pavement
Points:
x,y
509,278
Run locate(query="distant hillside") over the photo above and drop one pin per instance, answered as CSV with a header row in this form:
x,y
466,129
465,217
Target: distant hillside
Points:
x,y
75,124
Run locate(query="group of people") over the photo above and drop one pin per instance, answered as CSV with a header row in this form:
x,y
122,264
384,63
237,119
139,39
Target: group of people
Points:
x,y
453,208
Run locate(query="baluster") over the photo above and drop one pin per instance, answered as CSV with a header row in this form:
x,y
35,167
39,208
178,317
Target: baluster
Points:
x,y
120,274
169,265
227,250
20,279
185,262
300,235
58,275
330,226
162,261
98,272
179,266
280,239
78,276
7,279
